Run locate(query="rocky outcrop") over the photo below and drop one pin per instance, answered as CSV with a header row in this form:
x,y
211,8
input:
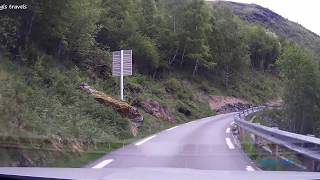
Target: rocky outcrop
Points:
x,y
125,109
226,104
234,108
156,109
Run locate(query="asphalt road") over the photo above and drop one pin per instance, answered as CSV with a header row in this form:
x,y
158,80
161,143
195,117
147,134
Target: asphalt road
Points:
x,y
206,144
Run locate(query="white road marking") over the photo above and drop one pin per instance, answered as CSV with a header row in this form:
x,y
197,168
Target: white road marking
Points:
x,y
171,128
229,143
249,168
228,130
236,141
103,163
145,140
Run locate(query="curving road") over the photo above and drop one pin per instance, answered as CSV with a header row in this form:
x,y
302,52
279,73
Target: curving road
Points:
x,y
202,144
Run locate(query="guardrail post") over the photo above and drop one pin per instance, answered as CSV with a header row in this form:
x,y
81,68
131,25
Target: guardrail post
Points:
x,y
312,165
241,133
274,149
257,141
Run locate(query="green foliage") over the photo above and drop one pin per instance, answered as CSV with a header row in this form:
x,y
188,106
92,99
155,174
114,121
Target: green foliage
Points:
x,y
118,23
48,102
249,147
283,27
193,36
264,48
145,53
173,84
65,28
301,91
148,22
8,31
256,87
228,45
271,118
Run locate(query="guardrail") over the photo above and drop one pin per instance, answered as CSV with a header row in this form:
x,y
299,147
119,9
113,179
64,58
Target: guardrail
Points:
x,y
305,145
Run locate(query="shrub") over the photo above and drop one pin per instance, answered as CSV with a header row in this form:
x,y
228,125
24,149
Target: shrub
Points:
x,y
172,85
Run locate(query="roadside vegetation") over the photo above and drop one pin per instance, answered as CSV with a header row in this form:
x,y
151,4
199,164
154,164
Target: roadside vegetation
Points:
x,y
183,51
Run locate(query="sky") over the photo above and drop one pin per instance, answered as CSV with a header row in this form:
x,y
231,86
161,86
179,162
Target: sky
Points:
x,y
306,12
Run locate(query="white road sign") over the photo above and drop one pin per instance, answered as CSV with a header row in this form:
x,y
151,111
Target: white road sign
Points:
x,y
122,66
127,63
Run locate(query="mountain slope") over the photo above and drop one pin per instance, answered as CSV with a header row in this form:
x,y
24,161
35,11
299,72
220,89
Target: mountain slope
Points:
x,y
285,28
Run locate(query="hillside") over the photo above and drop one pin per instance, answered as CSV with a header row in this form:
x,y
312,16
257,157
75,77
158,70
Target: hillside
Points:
x,y
272,21
184,55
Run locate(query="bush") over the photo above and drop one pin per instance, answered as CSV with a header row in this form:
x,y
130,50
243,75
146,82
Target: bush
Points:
x,y
172,85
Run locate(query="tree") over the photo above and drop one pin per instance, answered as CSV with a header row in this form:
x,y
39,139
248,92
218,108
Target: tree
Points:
x,y
145,53
264,48
118,23
149,18
228,45
193,38
301,93
63,26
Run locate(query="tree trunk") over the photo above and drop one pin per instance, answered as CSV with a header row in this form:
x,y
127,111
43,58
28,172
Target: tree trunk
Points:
x,y
29,27
227,77
182,58
195,70
174,24
174,57
25,31
59,52
154,74
302,125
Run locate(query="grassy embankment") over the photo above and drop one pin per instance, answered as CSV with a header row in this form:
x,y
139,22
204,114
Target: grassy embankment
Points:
x,y
43,101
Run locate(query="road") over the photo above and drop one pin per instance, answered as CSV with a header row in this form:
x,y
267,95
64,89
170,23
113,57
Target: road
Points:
x,y
206,144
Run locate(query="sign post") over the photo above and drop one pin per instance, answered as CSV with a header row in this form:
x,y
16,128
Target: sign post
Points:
x,y
121,76
122,66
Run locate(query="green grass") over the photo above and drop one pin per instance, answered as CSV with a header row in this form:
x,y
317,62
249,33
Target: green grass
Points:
x,y
256,87
249,147
44,100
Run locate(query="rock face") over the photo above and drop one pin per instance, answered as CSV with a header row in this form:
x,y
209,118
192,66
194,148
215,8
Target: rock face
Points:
x,y
226,104
156,109
125,109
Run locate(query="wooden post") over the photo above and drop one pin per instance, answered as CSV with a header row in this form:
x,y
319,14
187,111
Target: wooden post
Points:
x,y
275,149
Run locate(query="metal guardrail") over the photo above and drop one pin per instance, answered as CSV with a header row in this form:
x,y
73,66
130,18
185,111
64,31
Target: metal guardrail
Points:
x,y
302,144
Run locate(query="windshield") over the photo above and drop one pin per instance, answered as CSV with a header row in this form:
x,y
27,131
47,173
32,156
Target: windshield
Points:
x,y
205,85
